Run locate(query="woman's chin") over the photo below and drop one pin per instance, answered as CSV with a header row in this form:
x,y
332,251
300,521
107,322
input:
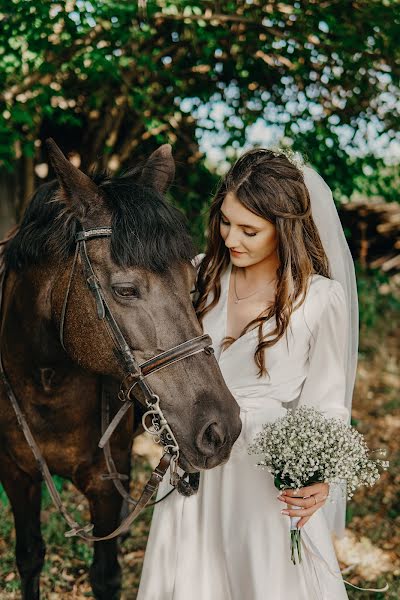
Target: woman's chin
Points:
x,y
239,260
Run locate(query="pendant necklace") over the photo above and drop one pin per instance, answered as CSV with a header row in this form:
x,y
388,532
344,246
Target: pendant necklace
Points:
x,y
237,299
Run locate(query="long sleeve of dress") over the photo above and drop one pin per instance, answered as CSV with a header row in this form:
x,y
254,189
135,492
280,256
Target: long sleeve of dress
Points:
x,y
196,261
325,384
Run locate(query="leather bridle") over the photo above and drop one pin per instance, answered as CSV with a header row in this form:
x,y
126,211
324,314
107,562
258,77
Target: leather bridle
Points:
x,y
135,375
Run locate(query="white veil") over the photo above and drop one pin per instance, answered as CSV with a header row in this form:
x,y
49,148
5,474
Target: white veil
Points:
x,y
330,230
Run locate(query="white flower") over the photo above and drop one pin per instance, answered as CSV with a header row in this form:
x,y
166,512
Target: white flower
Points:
x,y
304,444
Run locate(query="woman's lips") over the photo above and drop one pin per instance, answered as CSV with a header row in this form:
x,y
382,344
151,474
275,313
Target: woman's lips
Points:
x,y
236,253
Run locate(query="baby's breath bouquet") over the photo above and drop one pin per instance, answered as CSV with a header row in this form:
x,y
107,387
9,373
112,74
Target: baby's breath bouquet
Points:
x,y
304,447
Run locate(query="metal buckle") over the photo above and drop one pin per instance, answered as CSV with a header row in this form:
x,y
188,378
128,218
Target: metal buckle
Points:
x,y
175,477
125,394
159,428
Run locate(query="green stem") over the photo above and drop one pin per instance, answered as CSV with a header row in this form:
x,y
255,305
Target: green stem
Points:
x,y
295,546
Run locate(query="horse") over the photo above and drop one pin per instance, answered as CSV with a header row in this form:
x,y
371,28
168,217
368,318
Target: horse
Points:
x,y
56,347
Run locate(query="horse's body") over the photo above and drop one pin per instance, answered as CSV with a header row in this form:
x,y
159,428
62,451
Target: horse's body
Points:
x,y
58,389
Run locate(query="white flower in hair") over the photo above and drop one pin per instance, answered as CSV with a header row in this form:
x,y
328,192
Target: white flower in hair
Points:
x,y
294,157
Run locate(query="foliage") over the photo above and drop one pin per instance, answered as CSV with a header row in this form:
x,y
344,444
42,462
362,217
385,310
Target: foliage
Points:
x,y
106,77
376,297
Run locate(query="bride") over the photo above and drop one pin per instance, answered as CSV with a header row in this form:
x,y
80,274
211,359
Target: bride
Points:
x,y
276,292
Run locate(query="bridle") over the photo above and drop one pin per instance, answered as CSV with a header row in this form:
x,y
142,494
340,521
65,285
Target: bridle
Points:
x,y
135,375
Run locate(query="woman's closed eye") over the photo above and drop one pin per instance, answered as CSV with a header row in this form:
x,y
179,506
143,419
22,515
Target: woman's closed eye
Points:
x,y
248,233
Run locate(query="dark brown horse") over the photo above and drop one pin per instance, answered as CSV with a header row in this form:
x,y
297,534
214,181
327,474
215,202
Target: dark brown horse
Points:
x,y
145,273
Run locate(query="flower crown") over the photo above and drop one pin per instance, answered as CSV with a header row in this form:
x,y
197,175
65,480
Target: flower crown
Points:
x,y
294,157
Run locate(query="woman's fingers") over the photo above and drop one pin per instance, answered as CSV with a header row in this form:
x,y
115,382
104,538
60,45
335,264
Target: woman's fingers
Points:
x,y
302,522
303,512
303,502
309,490
309,499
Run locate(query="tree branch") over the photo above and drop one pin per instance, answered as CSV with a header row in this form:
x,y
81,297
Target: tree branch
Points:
x,y
208,16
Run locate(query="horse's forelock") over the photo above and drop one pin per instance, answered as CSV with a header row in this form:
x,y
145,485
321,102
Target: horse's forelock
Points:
x,y
148,232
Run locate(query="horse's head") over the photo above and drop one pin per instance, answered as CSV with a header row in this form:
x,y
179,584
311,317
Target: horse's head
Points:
x,y
145,276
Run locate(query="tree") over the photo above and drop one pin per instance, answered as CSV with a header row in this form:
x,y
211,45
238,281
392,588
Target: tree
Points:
x,y
108,79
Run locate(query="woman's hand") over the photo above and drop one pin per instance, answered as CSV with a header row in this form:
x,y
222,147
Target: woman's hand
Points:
x,y
309,498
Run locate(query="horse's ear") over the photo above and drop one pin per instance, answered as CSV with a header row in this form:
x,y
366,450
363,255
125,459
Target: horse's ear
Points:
x,y
77,190
159,169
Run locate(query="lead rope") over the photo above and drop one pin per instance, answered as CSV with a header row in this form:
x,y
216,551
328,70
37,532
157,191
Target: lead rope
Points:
x,y
76,528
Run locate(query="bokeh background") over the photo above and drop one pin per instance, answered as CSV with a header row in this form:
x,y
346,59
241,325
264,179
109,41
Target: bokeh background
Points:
x,y
110,80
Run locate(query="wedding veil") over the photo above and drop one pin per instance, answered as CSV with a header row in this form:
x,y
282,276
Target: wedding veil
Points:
x,y
330,230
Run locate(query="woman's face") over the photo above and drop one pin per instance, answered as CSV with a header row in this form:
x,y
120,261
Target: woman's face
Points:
x,y
250,239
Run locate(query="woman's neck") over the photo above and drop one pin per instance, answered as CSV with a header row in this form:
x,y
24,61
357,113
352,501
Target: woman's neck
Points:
x,y
259,272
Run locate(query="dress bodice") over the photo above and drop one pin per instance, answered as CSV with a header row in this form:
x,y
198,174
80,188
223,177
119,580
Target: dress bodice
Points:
x,y
315,330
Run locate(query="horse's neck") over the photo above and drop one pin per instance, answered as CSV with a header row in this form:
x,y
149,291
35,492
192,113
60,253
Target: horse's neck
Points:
x,y
27,331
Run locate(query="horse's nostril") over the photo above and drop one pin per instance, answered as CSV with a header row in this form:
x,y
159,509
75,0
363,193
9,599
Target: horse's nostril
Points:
x,y
210,439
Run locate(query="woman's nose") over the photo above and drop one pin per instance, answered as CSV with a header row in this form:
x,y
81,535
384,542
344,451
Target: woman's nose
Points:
x,y
232,239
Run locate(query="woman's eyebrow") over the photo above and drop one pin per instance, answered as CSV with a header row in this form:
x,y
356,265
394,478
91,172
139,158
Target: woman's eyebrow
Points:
x,y
241,224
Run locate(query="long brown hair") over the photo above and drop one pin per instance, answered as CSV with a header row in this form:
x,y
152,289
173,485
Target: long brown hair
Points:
x,y
272,187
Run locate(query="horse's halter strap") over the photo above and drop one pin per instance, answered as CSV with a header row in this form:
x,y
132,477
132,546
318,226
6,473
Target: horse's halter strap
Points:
x,y
103,310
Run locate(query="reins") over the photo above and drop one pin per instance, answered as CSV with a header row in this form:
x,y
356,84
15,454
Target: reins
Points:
x,y
135,376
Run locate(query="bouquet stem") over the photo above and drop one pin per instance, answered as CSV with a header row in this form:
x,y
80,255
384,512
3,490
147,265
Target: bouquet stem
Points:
x,y
295,539
295,546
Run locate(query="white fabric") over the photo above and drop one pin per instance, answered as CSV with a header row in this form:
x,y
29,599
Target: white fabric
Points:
x,y
230,542
330,230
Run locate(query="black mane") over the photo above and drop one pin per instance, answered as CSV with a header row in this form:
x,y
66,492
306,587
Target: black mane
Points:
x,y
147,231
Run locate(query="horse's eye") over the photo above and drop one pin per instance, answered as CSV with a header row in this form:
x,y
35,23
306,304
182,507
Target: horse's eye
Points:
x,y
126,291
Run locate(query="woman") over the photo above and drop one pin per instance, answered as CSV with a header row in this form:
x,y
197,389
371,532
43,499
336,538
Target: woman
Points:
x,y
284,333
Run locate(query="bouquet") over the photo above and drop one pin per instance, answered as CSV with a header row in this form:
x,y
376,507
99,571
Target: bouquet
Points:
x,y
304,447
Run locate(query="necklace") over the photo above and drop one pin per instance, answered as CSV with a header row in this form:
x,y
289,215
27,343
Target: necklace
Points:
x,y
237,299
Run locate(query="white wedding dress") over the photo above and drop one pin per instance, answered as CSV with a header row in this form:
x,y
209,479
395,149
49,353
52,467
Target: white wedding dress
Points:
x,y
230,540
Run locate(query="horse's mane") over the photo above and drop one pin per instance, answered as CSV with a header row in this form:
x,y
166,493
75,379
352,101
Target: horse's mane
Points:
x,y
147,231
